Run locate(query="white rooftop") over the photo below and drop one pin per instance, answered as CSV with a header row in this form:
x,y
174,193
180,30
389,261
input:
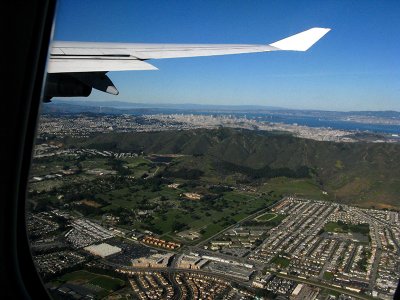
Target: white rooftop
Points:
x,y
103,249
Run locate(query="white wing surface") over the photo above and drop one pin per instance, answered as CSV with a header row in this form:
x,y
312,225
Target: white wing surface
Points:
x,y
75,68
74,57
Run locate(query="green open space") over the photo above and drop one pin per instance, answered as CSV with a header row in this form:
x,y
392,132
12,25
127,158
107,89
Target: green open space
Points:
x,y
52,164
267,217
83,277
139,194
136,162
148,203
141,169
171,213
95,163
281,261
80,275
209,218
270,219
302,187
328,275
108,283
341,227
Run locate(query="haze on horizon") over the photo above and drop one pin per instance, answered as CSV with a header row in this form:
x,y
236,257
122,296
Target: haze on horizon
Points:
x,y
356,66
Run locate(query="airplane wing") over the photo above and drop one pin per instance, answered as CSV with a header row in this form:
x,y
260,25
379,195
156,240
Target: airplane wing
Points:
x,y
72,58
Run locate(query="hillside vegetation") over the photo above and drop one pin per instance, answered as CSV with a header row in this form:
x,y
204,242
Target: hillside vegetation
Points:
x,y
365,174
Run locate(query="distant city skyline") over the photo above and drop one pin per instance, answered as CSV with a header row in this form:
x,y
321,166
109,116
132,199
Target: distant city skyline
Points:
x,y
354,67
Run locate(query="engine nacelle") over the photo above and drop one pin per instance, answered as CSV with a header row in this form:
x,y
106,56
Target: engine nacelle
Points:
x,y
64,85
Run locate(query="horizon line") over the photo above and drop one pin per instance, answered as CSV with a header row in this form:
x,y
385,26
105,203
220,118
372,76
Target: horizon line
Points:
x,y
270,107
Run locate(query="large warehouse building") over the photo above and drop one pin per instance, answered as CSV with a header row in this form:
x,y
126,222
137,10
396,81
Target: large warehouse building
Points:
x,y
103,249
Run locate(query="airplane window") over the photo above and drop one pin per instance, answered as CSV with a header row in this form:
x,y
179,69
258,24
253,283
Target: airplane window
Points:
x,y
218,150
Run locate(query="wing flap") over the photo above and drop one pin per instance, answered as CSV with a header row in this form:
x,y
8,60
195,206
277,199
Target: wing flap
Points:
x,y
195,51
95,64
153,51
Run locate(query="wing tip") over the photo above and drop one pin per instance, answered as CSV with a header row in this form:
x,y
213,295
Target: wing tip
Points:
x,y
301,41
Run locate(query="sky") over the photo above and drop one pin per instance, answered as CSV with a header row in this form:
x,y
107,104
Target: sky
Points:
x,y
356,66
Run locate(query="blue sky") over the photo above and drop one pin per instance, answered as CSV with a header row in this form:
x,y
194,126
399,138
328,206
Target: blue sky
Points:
x,y
356,66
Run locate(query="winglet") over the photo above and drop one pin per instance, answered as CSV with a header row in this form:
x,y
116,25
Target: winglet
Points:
x,y
301,41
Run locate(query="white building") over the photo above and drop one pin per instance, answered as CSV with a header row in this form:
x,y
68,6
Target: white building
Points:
x,y
103,249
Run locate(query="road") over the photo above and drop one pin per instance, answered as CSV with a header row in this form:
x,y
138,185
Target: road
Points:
x,y
154,174
176,286
388,226
327,264
375,264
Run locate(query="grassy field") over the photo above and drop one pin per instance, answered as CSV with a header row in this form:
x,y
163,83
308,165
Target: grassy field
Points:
x,y
281,261
135,200
334,227
328,276
108,283
48,185
78,276
83,277
267,217
306,188
95,163
133,163
340,227
270,219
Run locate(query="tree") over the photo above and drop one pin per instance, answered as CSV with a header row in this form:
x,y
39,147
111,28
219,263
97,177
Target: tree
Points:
x,y
79,166
177,226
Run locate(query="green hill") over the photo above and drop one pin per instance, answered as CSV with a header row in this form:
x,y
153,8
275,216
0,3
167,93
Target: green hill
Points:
x,y
365,174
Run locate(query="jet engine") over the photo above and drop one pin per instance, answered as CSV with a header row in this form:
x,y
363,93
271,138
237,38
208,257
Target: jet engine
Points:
x,y
78,84
64,85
